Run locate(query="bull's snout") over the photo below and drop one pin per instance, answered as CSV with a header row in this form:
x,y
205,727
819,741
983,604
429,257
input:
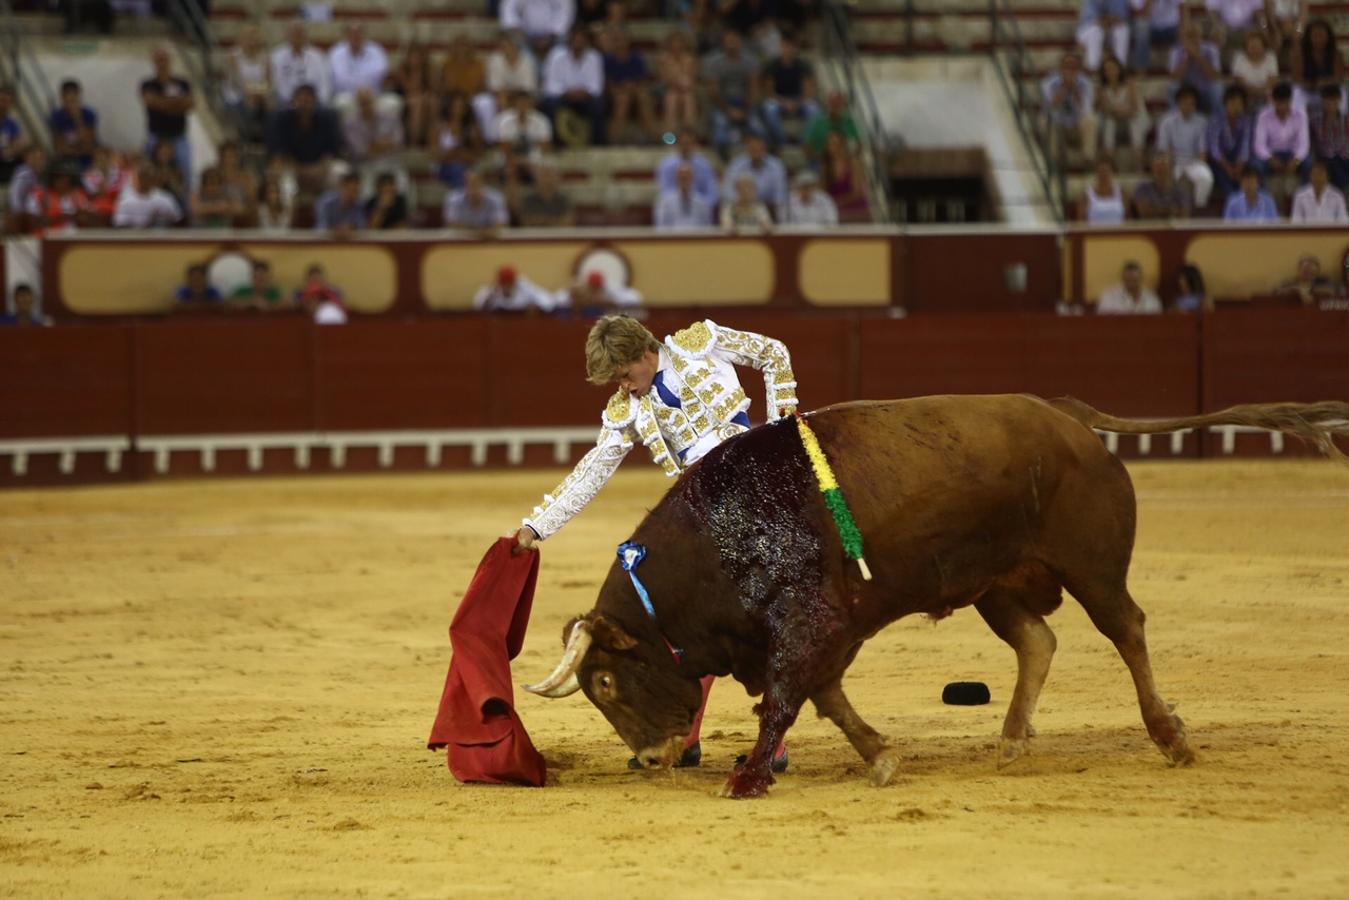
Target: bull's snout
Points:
x,y
661,756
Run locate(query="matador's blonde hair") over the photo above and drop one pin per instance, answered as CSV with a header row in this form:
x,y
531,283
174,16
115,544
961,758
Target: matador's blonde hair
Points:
x,y
615,342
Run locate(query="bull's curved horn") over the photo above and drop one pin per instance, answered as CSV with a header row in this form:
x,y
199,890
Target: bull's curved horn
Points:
x,y
563,681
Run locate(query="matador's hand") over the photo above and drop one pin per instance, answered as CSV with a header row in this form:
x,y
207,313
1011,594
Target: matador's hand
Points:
x,y
524,539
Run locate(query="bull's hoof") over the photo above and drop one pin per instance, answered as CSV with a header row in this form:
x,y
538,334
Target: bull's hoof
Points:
x,y
1012,749
884,766
1174,743
742,784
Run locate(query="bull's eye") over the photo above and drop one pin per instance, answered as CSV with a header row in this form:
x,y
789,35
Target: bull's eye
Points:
x,y
606,681
604,686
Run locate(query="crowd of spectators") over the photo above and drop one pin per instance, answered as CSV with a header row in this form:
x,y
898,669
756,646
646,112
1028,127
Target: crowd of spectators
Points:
x,y
1255,90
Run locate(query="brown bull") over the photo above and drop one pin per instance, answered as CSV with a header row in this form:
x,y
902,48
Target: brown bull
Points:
x,y
996,502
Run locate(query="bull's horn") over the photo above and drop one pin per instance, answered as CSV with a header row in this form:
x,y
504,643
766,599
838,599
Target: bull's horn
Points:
x,y
563,681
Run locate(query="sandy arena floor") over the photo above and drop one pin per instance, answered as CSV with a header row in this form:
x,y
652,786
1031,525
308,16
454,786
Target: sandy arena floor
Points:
x,y
225,687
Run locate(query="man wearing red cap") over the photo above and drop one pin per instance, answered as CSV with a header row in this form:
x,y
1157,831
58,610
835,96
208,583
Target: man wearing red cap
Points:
x,y
680,398
595,295
512,292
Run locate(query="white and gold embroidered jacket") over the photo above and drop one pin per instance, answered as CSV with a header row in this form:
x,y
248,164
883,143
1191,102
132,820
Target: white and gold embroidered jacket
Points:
x,y
696,369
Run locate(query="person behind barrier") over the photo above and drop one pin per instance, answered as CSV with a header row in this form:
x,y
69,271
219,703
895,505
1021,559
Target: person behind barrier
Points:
x,y
1131,296
512,292
197,293
25,309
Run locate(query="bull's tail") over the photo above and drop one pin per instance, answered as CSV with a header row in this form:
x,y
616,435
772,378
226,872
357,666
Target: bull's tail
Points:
x,y
1317,424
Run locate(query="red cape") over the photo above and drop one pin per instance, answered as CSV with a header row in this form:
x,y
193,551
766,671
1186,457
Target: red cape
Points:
x,y
483,738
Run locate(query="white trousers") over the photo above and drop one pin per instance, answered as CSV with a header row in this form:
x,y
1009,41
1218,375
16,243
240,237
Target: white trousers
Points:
x,y
1092,38
1200,176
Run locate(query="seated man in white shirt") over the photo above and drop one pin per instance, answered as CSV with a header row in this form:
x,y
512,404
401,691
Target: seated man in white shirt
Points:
x,y
541,23
298,62
358,63
144,204
573,78
509,71
1319,200
807,205
512,292
522,128
596,295
1131,296
681,208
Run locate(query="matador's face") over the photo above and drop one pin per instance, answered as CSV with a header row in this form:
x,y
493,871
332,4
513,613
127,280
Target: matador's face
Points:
x,y
636,377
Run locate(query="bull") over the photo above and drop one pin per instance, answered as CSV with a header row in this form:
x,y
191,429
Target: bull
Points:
x,y
995,502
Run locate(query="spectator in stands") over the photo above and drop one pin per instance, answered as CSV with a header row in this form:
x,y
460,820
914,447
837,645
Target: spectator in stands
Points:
x,y
573,79
167,174
413,81
212,206
456,141
261,293
358,63
681,207
545,205
1120,110
1068,104
298,62
767,172
59,207
541,23
27,177
13,142
1182,134
321,299
835,118
512,292
1156,23
316,10
462,72
339,209
1191,297
1230,19
678,83
1329,131
1319,201
1103,20
595,296
1102,199
1250,204
1317,61
387,208
743,212
238,181
788,90
374,134
509,71
196,294
686,152
628,83
1286,20
1282,142
842,175
281,169
247,86
731,79
1309,286
144,204
74,127
1131,296
808,205
1229,141
102,182
755,20
477,207
307,134
26,312
522,129
168,100
1196,62
275,210
1161,197
1255,68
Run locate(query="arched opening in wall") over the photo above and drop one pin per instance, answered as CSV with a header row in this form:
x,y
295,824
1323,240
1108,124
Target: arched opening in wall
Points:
x,y
946,186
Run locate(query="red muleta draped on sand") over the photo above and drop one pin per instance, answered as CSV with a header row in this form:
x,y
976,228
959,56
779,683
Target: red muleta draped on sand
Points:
x,y
483,737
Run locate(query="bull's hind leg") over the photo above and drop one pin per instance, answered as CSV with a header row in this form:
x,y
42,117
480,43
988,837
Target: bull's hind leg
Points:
x,y
1026,632
883,760
1116,616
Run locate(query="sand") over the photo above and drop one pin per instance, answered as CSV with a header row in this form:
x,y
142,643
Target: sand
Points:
x,y
224,688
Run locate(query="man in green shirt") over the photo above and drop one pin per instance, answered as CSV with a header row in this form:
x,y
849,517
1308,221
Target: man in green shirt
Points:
x,y
261,293
834,118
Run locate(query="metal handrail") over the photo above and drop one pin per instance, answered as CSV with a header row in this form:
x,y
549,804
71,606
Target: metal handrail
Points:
x,y
188,18
877,146
27,77
1006,38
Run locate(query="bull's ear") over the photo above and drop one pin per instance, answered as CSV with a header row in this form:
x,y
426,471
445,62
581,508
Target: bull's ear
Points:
x,y
566,629
610,634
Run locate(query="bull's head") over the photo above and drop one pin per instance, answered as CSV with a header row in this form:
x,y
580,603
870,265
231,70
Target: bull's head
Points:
x,y
637,685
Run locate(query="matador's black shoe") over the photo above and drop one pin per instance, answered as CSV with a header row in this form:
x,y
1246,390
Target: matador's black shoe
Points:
x,y
691,758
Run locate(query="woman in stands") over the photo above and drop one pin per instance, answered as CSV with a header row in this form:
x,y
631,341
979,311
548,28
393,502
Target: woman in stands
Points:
x,y
457,140
678,71
1191,297
413,81
842,176
1121,111
1316,59
1102,200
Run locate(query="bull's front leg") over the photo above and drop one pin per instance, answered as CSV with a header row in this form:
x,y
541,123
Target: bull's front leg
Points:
x,y
777,711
